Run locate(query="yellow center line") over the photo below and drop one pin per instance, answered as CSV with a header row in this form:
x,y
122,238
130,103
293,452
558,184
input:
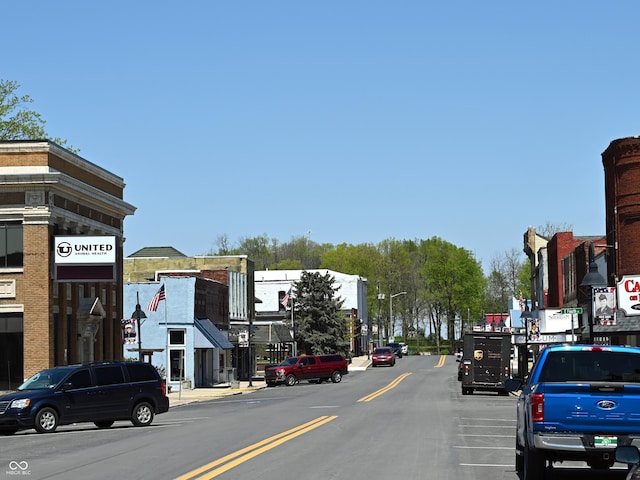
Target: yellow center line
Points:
x,y
234,459
441,362
384,390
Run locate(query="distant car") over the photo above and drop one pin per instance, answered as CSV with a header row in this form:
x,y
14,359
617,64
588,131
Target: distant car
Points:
x,y
405,348
383,356
397,348
100,392
458,354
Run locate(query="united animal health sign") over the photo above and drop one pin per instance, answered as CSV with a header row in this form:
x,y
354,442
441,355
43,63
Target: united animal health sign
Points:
x,y
629,295
85,258
83,249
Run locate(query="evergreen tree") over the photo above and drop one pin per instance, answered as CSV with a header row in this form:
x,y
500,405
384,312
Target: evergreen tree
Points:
x,y
320,325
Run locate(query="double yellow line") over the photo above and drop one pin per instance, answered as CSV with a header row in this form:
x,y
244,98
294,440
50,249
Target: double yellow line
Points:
x,y
384,390
441,362
232,460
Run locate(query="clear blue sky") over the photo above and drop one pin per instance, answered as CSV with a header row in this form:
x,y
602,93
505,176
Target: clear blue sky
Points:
x,y
348,121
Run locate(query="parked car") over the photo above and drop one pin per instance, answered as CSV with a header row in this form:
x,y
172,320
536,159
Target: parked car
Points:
x,y
317,368
383,356
405,348
397,348
98,392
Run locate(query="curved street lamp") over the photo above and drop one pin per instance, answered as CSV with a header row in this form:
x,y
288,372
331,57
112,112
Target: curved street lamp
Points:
x,y
391,311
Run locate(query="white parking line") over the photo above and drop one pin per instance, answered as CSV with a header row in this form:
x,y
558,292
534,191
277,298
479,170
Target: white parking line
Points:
x,y
485,448
488,426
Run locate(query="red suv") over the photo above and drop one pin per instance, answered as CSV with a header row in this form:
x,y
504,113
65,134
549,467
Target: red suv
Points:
x,y
307,367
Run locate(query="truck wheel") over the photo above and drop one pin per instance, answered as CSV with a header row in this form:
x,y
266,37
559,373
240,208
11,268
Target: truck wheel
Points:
x,y
336,376
290,380
534,465
467,391
519,458
46,420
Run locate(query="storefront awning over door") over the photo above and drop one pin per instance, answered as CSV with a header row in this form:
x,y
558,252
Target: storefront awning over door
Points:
x,y
206,335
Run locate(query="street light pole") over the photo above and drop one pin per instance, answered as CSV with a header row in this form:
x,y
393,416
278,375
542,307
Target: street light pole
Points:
x,y
523,367
139,315
380,298
393,327
592,279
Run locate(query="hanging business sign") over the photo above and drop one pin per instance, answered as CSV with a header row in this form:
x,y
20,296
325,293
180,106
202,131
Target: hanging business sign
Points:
x,y
604,306
84,258
629,295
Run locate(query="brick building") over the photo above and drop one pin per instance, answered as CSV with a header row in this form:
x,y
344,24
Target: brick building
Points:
x,y
621,161
46,192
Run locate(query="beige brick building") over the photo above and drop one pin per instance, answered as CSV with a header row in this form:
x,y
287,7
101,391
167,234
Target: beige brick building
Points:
x,y
45,192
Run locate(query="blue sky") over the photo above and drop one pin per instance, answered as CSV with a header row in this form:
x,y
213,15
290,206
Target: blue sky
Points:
x,y
347,121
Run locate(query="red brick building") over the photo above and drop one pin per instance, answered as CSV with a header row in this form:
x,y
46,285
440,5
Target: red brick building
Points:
x,y
621,161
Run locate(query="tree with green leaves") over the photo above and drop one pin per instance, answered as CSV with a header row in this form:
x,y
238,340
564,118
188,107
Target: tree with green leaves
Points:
x,y
320,325
454,284
17,122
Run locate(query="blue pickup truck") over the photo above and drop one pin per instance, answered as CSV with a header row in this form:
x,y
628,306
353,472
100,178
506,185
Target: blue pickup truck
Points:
x,y
579,403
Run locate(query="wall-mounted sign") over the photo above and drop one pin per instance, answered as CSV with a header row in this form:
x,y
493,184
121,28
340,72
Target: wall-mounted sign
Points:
x,y
82,249
84,258
629,295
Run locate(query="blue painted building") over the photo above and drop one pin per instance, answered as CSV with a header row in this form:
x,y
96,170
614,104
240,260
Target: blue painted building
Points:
x,y
179,337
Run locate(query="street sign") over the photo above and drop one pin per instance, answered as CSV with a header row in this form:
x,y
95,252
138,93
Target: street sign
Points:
x,y
572,311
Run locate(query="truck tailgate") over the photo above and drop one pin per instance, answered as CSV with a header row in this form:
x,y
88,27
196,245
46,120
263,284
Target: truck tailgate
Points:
x,y
590,407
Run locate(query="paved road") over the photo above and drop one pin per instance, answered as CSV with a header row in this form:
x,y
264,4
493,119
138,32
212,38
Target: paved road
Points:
x,y
408,422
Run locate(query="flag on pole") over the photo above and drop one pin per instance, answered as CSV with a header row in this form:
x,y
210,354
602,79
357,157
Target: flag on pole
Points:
x,y
157,298
285,299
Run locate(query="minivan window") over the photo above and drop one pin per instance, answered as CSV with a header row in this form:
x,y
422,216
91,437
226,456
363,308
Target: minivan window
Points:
x,y
109,375
80,379
140,372
45,379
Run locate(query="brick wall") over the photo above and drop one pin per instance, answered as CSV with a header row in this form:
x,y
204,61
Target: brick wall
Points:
x,y
621,161
38,332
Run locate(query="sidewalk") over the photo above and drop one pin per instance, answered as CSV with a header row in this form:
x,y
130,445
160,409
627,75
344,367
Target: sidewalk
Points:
x,y
177,398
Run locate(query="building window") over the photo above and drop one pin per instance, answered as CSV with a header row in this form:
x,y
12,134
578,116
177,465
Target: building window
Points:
x,y
176,337
11,246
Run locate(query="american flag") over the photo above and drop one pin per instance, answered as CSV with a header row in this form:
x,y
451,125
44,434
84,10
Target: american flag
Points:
x,y
285,299
157,298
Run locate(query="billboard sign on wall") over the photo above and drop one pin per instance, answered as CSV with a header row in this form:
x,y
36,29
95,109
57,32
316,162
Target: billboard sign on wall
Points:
x,y
85,249
629,295
84,258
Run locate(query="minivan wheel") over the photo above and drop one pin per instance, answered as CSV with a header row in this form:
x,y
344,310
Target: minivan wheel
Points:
x,y
104,424
336,377
46,420
142,415
290,380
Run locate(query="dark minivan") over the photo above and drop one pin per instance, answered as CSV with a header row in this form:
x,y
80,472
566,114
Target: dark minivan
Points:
x,y
98,392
